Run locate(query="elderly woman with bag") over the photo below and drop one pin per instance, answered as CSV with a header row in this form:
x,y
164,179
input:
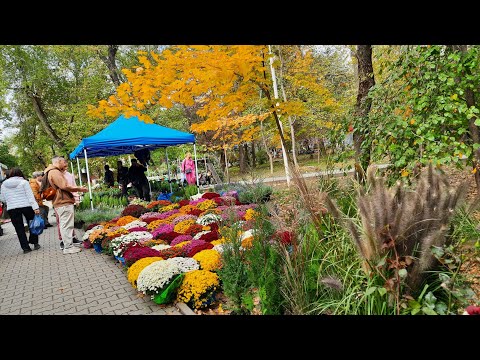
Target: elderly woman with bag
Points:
x,y
18,196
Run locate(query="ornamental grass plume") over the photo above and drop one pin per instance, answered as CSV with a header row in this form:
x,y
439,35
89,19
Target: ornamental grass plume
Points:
x,y
182,226
210,260
137,252
135,269
124,220
198,288
156,276
180,238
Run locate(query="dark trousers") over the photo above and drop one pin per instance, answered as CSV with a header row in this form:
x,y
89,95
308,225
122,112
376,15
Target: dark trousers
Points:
x,y
143,191
124,187
44,212
17,221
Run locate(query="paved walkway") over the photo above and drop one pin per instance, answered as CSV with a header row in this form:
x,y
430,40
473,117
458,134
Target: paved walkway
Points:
x,y
45,282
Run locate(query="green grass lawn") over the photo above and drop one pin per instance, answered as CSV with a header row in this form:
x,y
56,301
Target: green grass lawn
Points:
x,y
306,163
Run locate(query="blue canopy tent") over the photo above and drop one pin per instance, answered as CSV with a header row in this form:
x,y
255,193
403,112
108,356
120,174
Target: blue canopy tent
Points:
x,y
125,136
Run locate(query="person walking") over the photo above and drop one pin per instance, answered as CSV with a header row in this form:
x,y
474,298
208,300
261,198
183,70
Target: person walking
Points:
x,y
188,169
136,175
109,179
64,201
18,195
122,177
35,183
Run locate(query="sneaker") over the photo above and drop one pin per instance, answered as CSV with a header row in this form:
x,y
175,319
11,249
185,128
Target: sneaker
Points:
x,y
25,251
61,245
77,242
72,250
36,246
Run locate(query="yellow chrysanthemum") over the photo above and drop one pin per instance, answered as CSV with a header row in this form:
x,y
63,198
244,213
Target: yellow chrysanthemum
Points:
x,y
197,286
250,214
187,208
247,243
124,220
207,204
182,244
183,226
209,259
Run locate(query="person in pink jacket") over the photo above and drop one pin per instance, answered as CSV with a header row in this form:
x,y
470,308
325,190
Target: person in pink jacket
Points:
x,y
188,168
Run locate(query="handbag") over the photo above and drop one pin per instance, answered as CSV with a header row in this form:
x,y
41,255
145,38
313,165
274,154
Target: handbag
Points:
x,y
49,193
36,225
188,171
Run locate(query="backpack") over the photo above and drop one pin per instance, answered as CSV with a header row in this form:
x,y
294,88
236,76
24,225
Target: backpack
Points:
x,y
47,191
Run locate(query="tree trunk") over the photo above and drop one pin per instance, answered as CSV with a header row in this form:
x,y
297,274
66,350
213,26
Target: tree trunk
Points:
x,y
366,81
227,175
286,157
290,121
267,150
44,121
222,159
254,160
474,130
111,65
241,159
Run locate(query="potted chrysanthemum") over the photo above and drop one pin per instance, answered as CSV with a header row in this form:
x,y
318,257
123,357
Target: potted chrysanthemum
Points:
x,y
161,279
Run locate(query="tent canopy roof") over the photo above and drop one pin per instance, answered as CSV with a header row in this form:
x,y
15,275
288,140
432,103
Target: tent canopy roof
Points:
x,y
126,135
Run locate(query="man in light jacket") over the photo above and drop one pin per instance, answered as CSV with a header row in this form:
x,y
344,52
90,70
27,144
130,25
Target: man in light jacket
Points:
x,y
17,194
64,201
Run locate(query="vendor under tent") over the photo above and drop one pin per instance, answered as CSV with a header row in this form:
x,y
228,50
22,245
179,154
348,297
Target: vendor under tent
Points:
x,y
127,135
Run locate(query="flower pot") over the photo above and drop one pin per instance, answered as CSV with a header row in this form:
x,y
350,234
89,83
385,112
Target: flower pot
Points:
x,y
120,259
97,247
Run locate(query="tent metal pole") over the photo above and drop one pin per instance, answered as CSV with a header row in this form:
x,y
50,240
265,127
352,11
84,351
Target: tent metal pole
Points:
x,y
79,172
71,166
196,167
149,186
168,168
88,179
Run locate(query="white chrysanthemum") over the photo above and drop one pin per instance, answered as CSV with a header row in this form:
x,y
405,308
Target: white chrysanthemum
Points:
x,y
208,219
246,234
125,239
136,223
161,247
185,264
156,275
199,235
196,196
218,248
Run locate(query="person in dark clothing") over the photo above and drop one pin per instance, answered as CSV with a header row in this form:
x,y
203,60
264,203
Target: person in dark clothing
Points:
x,y
122,177
109,179
136,174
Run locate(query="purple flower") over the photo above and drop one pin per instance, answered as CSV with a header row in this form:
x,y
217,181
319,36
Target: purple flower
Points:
x,y
180,239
